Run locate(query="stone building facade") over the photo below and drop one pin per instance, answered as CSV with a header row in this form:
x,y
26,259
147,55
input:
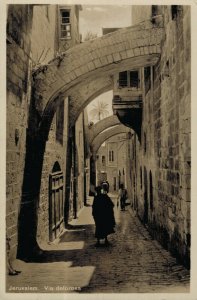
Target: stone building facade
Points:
x,y
162,159
33,39
113,162
18,101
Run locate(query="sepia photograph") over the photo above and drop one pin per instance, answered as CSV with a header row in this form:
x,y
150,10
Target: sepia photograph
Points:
x,y
98,149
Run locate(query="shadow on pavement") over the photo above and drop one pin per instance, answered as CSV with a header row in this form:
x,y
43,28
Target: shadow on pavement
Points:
x,y
75,233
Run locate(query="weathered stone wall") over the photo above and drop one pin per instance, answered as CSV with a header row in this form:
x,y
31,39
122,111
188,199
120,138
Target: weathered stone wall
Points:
x,y
19,23
55,151
165,145
44,48
44,34
140,13
56,148
79,137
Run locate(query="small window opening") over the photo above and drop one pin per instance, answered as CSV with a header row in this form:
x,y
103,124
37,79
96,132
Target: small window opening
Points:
x,y
174,11
129,79
103,160
134,79
65,24
123,79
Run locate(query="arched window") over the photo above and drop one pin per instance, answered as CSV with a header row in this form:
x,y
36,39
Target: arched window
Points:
x,y
56,167
111,155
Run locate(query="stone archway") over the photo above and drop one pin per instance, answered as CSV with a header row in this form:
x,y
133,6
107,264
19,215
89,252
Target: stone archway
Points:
x,y
97,142
102,137
96,129
128,48
70,74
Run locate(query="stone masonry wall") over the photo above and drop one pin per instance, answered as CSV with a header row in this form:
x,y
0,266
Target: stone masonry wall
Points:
x,y
165,145
140,13
19,23
54,152
44,47
43,35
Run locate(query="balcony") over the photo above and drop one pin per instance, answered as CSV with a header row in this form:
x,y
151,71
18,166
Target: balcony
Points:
x,y
129,110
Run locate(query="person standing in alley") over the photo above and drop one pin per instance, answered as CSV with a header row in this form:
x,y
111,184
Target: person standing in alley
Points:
x,y
103,214
122,196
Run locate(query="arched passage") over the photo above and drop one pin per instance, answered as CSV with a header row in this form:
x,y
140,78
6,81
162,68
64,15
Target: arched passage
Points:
x,y
81,78
98,141
102,137
96,129
82,94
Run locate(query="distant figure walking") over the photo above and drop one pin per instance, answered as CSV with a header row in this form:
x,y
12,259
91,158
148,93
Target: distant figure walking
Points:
x,y
103,214
122,196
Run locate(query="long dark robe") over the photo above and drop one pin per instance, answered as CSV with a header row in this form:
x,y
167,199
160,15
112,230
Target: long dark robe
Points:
x,y
103,214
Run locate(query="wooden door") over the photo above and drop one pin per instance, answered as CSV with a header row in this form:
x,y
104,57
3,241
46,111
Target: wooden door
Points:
x,y
56,204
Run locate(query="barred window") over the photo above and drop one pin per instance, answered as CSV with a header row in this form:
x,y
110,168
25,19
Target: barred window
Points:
x,y
129,79
111,155
123,79
65,24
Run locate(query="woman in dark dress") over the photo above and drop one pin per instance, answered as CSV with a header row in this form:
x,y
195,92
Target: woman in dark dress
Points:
x,y
103,214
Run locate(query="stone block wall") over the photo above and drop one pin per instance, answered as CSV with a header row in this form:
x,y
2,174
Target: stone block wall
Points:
x,y
165,146
54,152
19,23
140,13
44,44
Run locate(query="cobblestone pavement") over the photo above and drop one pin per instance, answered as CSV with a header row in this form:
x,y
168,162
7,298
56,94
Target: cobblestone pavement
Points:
x,y
134,263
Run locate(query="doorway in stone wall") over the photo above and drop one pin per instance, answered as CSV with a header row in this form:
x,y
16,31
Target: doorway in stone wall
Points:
x,y
114,184
56,202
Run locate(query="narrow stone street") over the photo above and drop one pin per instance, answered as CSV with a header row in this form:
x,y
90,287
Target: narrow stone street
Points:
x,y
133,262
